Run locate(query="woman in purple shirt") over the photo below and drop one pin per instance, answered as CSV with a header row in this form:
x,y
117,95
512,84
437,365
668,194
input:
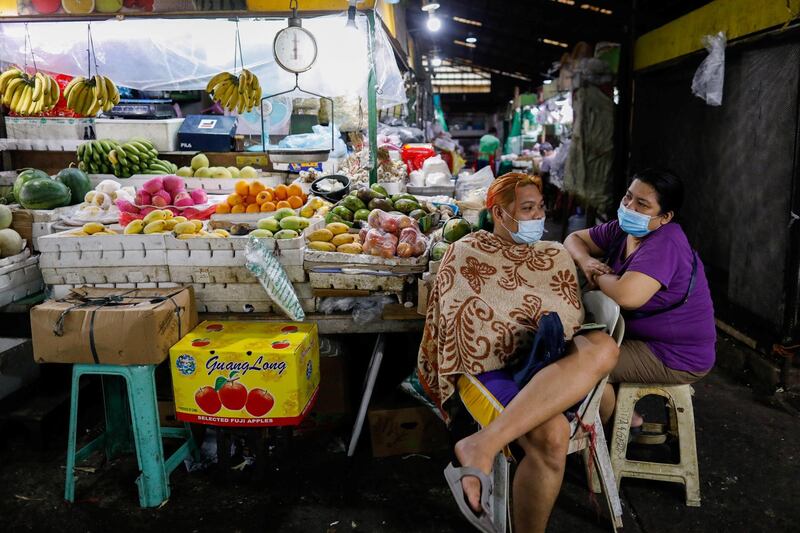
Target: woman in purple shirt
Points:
x,y
651,271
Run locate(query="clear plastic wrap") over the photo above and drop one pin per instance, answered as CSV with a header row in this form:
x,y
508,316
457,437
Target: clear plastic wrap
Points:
x,y
380,243
709,78
389,223
365,309
263,264
183,54
412,243
321,138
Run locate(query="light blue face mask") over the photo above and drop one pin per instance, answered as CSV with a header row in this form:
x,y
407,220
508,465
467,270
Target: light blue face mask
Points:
x,y
529,231
633,223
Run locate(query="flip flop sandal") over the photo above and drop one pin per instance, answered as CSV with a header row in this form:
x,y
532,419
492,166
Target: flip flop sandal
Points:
x,y
650,433
483,521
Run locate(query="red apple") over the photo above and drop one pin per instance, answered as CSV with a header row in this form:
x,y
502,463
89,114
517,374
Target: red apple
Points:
x,y
289,329
259,402
199,343
233,395
280,345
208,400
214,327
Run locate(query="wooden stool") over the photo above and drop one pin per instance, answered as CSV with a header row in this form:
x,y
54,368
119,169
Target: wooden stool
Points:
x,y
679,398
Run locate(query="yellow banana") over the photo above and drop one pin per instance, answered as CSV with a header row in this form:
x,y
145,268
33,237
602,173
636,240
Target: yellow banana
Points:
x,y
74,95
37,87
7,76
100,88
11,89
54,92
113,93
215,80
16,96
221,89
226,92
84,93
93,109
232,99
74,82
25,99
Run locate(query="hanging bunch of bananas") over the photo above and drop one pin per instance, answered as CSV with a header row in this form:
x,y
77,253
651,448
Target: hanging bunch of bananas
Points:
x,y
87,96
28,94
235,93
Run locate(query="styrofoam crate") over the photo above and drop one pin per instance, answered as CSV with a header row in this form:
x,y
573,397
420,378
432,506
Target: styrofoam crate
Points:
x,y
163,133
62,291
47,128
368,282
411,264
112,275
63,242
230,274
20,279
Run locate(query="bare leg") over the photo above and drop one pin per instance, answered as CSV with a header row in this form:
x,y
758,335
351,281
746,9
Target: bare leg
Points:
x,y
537,481
553,390
609,402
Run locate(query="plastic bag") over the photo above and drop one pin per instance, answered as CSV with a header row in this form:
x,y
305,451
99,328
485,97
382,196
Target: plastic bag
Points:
x,y
365,309
480,180
709,78
389,223
412,243
263,264
321,138
435,165
414,388
380,243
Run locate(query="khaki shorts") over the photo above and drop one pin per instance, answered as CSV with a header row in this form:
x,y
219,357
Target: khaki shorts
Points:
x,y
638,364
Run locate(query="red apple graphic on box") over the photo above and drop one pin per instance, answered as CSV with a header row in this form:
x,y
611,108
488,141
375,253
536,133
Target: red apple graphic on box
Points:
x,y
259,402
280,345
214,327
199,343
233,395
289,329
208,400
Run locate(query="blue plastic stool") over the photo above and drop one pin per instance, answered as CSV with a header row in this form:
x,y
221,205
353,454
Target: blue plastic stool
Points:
x,y
134,426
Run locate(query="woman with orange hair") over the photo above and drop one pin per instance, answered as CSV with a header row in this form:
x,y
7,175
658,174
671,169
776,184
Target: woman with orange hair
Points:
x,y
491,293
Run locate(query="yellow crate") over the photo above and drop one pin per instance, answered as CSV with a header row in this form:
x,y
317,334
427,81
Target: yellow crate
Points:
x,y
246,374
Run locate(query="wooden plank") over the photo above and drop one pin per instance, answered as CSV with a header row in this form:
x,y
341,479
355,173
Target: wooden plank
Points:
x,y
340,293
737,18
399,312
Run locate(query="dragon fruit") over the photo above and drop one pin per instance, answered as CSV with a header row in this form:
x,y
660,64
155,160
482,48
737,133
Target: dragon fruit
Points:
x,y
162,199
183,199
174,184
154,185
143,198
199,196
126,207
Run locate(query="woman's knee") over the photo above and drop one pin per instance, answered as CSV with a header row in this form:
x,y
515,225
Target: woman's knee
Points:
x,y
550,440
604,351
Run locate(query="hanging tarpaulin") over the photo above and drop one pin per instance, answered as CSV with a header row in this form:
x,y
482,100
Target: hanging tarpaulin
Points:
x,y
438,112
183,54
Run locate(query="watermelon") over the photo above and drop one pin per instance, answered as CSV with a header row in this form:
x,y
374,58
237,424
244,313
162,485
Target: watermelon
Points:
x,y
78,183
24,177
44,194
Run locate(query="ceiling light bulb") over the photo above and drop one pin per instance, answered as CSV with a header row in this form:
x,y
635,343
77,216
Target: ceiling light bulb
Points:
x,y
436,61
548,82
472,40
430,6
434,23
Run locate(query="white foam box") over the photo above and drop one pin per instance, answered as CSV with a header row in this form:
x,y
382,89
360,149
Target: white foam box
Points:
x,y
67,260
47,128
162,133
367,282
19,277
211,185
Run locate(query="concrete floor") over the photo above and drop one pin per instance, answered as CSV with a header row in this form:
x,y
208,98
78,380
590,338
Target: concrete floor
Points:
x,y
749,465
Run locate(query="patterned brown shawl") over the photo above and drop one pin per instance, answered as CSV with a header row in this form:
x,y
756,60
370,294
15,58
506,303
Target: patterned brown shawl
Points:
x,y
485,306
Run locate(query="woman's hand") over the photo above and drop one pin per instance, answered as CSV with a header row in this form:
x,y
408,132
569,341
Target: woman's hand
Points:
x,y
592,267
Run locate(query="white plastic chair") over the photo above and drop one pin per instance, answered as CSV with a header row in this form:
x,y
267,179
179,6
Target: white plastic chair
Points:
x,y
598,463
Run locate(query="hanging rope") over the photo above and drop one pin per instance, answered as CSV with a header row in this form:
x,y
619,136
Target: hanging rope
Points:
x,y
29,45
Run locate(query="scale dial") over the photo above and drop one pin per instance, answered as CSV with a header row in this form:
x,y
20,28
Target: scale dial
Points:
x,y
295,49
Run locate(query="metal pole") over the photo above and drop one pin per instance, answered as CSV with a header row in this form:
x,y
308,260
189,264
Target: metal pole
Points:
x,y
372,99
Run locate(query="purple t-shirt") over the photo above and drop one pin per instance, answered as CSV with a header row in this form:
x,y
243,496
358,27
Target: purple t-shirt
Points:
x,y
682,338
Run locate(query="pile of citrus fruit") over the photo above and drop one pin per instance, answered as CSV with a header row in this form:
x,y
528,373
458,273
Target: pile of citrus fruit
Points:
x,y
254,197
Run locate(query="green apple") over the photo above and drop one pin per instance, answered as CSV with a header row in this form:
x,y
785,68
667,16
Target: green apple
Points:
x,y
234,172
202,172
220,173
199,161
248,173
185,172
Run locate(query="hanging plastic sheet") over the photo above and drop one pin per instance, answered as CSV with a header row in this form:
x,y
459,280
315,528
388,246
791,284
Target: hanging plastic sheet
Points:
x,y
709,79
174,54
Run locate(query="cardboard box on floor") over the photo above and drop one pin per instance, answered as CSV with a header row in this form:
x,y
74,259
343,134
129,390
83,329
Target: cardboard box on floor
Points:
x,y
408,428
112,326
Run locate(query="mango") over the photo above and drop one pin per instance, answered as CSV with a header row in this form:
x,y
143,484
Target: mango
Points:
x,y
187,236
168,214
351,248
320,235
184,228
270,224
77,233
321,246
198,225
93,227
152,216
222,233
155,227
261,233
170,224
337,227
179,219
101,233
343,238
287,234
293,222
134,227
282,213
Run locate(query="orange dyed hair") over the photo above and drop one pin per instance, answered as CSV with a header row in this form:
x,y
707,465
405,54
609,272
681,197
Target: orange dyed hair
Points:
x,y
503,190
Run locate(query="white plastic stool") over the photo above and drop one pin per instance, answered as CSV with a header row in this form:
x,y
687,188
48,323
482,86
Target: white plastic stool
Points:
x,y
681,421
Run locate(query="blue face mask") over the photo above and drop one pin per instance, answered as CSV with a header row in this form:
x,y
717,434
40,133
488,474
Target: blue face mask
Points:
x,y
528,231
633,223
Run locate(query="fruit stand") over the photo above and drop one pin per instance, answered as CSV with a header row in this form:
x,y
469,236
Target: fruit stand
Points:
x,y
254,241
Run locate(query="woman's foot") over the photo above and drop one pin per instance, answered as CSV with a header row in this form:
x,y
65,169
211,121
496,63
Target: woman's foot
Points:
x,y
636,420
470,453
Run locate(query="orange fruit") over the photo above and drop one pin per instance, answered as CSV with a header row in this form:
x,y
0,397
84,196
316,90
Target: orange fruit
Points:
x,y
237,209
242,188
235,199
281,192
256,187
305,199
223,208
284,204
268,207
295,202
295,190
252,208
263,196
250,200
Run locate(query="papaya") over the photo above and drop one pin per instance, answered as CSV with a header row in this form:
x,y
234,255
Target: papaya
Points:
x,y
406,206
384,204
353,203
343,212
